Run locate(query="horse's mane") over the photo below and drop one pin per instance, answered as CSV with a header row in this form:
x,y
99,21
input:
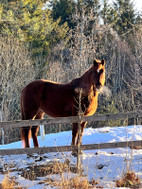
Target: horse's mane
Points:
x,y
82,83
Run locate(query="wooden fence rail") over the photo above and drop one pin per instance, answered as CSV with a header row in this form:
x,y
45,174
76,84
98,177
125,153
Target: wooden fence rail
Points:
x,y
95,117
42,150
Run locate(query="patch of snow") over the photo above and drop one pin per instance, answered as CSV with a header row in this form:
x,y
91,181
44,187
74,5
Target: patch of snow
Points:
x,y
104,165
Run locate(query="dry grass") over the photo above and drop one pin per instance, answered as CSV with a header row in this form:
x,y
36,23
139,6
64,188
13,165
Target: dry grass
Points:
x,y
130,179
64,178
76,183
9,183
58,168
50,168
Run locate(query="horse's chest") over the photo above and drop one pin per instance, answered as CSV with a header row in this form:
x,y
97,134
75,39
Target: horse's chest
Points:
x,y
91,106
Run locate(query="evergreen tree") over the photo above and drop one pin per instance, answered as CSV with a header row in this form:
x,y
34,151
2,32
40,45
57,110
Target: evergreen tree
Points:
x,y
28,21
139,19
107,13
125,16
89,11
63,9
91,5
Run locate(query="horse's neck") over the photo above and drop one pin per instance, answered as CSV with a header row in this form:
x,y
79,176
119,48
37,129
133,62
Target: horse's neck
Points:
x,y
85,81
83,84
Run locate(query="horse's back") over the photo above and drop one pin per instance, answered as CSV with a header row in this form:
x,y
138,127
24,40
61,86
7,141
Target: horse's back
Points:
x,y
55,99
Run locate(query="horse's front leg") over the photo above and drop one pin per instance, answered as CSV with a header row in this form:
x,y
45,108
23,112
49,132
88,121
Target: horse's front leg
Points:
x,y
79,139
74,133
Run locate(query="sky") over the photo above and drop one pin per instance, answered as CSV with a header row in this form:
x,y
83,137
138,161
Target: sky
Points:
x,y
137,3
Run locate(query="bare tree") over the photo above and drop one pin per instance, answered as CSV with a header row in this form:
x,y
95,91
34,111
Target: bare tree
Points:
x,y
16,70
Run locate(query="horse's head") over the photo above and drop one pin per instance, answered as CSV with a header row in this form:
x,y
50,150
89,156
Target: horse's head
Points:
x,y
98,74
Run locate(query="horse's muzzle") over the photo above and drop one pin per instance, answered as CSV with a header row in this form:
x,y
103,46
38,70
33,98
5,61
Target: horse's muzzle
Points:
x,y
98,86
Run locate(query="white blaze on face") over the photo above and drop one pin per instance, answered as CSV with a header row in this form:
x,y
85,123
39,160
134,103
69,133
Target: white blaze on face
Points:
x,y
98,70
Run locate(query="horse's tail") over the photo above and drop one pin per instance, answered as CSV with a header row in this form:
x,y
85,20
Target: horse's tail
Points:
x,y
23,117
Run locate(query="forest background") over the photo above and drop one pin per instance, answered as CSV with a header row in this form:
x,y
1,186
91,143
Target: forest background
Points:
x,y
58,40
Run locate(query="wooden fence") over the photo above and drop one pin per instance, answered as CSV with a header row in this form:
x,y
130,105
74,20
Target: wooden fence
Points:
x,y
96,117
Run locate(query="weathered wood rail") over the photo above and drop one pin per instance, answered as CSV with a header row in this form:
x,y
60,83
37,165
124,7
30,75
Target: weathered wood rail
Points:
x,y
96,117
62,120
51,149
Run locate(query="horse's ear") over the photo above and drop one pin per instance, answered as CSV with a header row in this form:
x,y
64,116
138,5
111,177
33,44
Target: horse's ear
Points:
x,y
103,62
95,62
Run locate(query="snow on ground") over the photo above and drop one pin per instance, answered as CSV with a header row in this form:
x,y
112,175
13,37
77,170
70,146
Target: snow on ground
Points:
x,y
105,165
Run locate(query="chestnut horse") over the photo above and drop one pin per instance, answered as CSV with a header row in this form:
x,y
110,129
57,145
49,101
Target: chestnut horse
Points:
x,y
60,100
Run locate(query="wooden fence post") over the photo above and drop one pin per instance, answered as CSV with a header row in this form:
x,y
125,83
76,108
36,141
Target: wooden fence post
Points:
x,y
79,134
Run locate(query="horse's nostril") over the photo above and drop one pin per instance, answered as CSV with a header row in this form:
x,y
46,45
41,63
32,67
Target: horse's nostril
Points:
x,y
98,86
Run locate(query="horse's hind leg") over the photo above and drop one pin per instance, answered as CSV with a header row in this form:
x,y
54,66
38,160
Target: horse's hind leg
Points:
x,y
26,131
35,129
25,136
